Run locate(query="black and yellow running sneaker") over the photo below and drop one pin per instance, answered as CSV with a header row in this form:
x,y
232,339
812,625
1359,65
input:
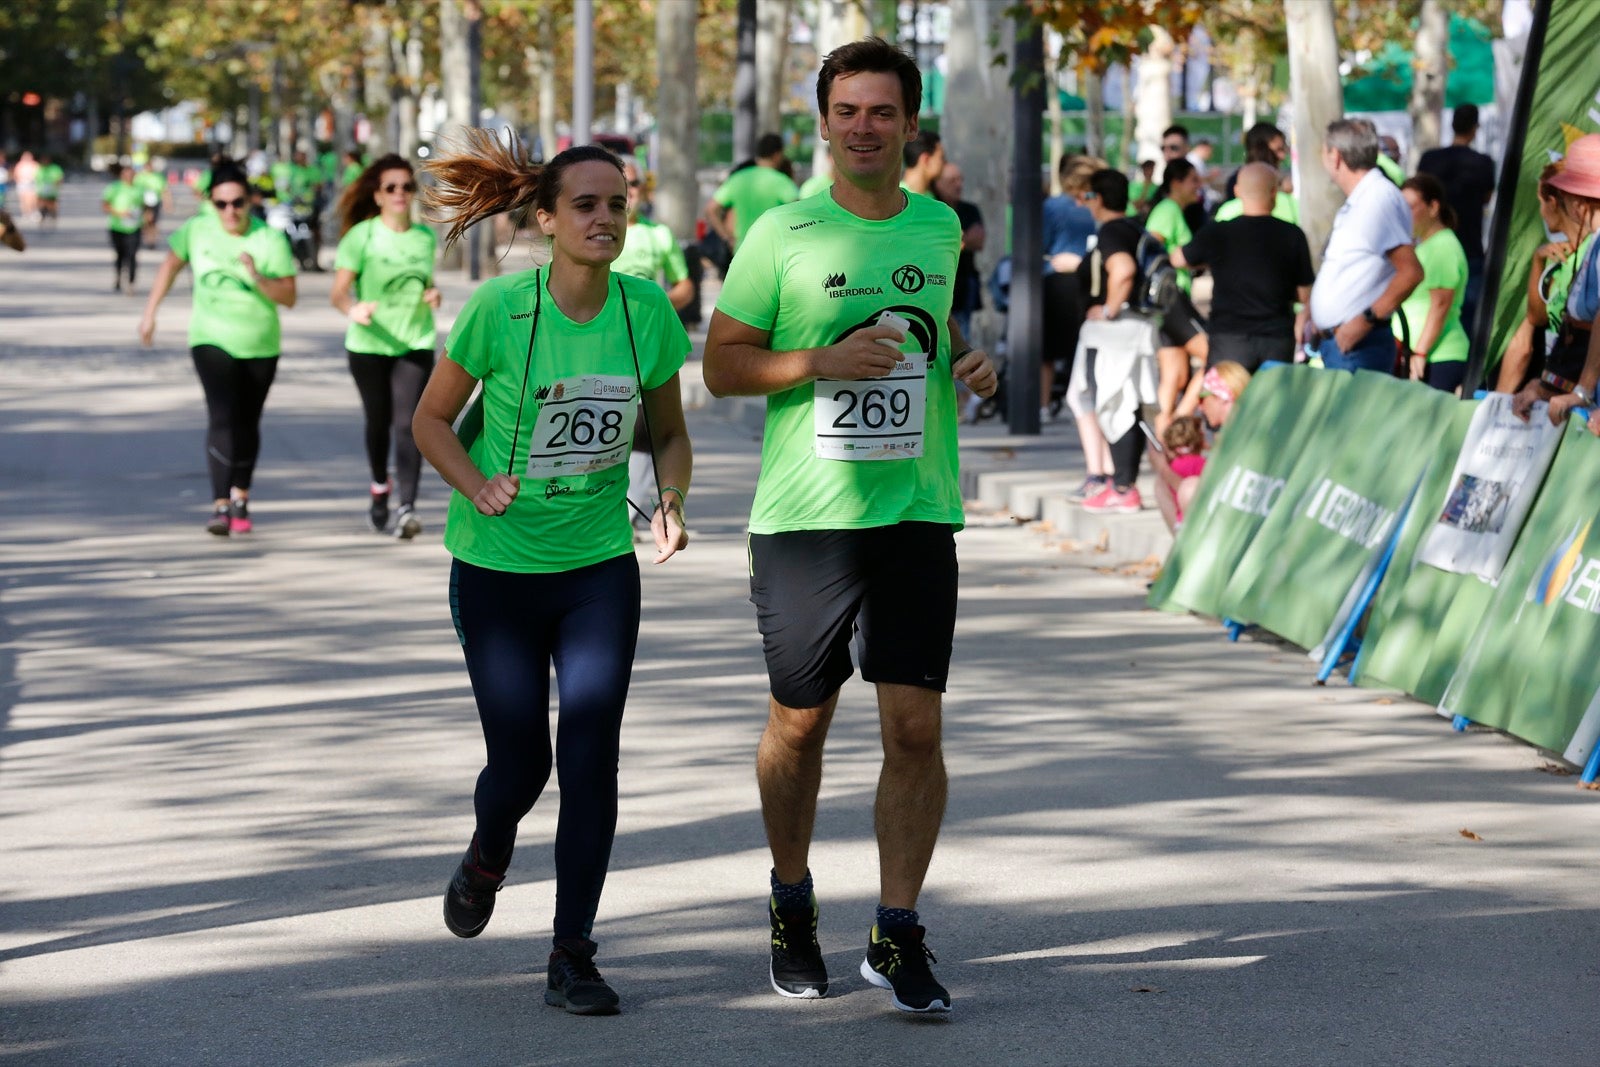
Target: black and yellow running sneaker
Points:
x,y
897,960
797,968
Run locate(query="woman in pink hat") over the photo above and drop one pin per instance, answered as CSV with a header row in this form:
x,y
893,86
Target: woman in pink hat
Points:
x,y
1572,367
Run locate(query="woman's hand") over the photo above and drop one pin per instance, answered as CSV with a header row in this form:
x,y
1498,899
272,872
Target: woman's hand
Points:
x,y
433,298
497,494
1522,403
1555,250
1561,407
1419,367
666,526
147,329
361,313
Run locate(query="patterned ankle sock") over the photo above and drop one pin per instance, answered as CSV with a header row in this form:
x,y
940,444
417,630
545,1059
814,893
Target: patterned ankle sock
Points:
x,y
888,917
793,896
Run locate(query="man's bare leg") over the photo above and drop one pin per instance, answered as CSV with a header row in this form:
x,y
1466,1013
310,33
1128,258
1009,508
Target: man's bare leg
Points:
x,y
911,791
789,773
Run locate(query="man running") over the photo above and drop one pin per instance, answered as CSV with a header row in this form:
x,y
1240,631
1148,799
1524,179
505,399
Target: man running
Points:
x,y
857,505
751,191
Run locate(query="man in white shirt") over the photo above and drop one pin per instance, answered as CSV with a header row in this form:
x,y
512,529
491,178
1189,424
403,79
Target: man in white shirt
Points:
x,y
1369,266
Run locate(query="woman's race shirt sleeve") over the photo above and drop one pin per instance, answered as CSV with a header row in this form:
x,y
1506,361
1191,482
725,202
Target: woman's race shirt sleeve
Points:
x,y
468,344
351,248
673,265
672,343
751,291
274,258
179,241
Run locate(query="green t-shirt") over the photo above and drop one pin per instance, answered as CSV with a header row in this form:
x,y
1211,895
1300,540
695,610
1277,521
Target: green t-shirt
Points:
x,y
578,415
648,251
750,193
1444,266
47,182
1284,207
393,269
1166,219
1557,285
127,207
839,455
230,311
816,183
152,186
1140,191
282,175
352,171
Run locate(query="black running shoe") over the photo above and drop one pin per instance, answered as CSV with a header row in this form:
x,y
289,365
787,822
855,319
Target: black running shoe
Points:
x,y
469,899
898,960
378,514
574,982
406,523
797,969
220,521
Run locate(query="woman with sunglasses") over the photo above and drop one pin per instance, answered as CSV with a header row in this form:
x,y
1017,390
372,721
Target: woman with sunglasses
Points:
x,y
544,569
383,283
243,271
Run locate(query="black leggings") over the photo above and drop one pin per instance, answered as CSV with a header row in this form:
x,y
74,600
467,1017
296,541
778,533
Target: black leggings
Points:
x,y
512,628
126,246
1125,455
236,392
390,387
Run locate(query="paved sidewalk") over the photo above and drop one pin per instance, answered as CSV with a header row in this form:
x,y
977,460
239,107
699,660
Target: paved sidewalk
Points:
x,y
236,773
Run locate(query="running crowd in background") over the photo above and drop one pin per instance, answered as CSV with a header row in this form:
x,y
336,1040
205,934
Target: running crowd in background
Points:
x,y
1399,282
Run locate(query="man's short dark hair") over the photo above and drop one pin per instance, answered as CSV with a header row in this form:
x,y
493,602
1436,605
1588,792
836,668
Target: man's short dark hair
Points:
x,y
1465,119
871,55
1181,131
768,145
925,143
1110,187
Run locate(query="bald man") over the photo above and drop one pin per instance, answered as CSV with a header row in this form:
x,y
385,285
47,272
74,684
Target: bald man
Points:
x,y
1262,268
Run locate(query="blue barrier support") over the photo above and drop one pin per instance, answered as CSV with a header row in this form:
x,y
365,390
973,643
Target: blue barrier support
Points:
x,y
1460,723
1591,770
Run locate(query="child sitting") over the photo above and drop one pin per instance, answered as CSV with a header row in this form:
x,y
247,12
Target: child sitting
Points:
x,y
1178,466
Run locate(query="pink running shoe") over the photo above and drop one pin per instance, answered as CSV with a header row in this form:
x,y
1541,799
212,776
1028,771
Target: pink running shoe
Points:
x,y
239,516
1110,501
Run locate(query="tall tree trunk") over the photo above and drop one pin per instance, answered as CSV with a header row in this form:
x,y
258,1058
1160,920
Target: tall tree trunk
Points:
x,y
1152,106
1094,99
582,71
744,85
1432,68
455,66
972,134
1052,104
1314,87
838,22
772,55
378,83
677,157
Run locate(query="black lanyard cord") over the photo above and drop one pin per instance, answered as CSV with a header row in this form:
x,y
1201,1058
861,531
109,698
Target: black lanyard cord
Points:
x,y
527,368
644,407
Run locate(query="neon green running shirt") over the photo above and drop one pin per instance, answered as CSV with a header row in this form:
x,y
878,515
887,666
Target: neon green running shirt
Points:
x,y
230,311
577,416
853,455
127,207
394,270
1444,266
751,192
648,251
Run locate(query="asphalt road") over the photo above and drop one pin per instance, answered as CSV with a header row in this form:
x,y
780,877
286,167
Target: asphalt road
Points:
x,y
235,775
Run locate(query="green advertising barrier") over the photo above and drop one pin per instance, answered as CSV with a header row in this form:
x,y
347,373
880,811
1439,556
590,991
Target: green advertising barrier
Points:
x,y
1532,670
1414,613
1339,507
1255,457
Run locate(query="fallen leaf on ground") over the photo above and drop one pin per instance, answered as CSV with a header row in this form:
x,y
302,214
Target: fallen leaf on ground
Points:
x,y
1146,989
1005,453
1553,768
1104,543
1470,836
1384,700
1069,545
1043,526
1589,785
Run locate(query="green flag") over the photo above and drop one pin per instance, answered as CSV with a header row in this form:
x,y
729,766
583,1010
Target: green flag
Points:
x,y
1339,509
1256,455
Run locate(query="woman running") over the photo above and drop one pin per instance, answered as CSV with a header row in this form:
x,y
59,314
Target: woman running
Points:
x,y
243,270
544,569
383,283
123,204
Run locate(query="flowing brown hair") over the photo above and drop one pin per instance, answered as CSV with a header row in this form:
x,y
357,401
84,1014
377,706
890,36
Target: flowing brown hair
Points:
x,y
481,177
356,204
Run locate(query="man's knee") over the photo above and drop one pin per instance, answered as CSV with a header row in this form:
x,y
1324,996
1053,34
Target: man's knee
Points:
x,y
911,722
801,729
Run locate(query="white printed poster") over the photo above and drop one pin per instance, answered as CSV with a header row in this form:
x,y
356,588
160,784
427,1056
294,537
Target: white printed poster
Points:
x,y
1497,475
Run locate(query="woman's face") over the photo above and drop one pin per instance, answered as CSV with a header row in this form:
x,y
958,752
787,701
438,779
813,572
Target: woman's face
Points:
x,y
1424,216
591,215
1186,191
396,189
232,201
1215,410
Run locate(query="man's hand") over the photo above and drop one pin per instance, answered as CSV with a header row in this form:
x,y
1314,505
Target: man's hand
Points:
x,y
1561,407
1096,313
863,354
975,370
1350,334
497,494
1522,403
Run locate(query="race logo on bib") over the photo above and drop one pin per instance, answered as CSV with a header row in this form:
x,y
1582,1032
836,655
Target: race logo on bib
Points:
x,y
585,425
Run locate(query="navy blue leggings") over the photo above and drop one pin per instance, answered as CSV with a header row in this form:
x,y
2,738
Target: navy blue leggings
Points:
x,y
513,627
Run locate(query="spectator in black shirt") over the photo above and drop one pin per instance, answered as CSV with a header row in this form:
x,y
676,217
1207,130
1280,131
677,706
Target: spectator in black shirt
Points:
x,y
966,290
1261,266
1468,180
